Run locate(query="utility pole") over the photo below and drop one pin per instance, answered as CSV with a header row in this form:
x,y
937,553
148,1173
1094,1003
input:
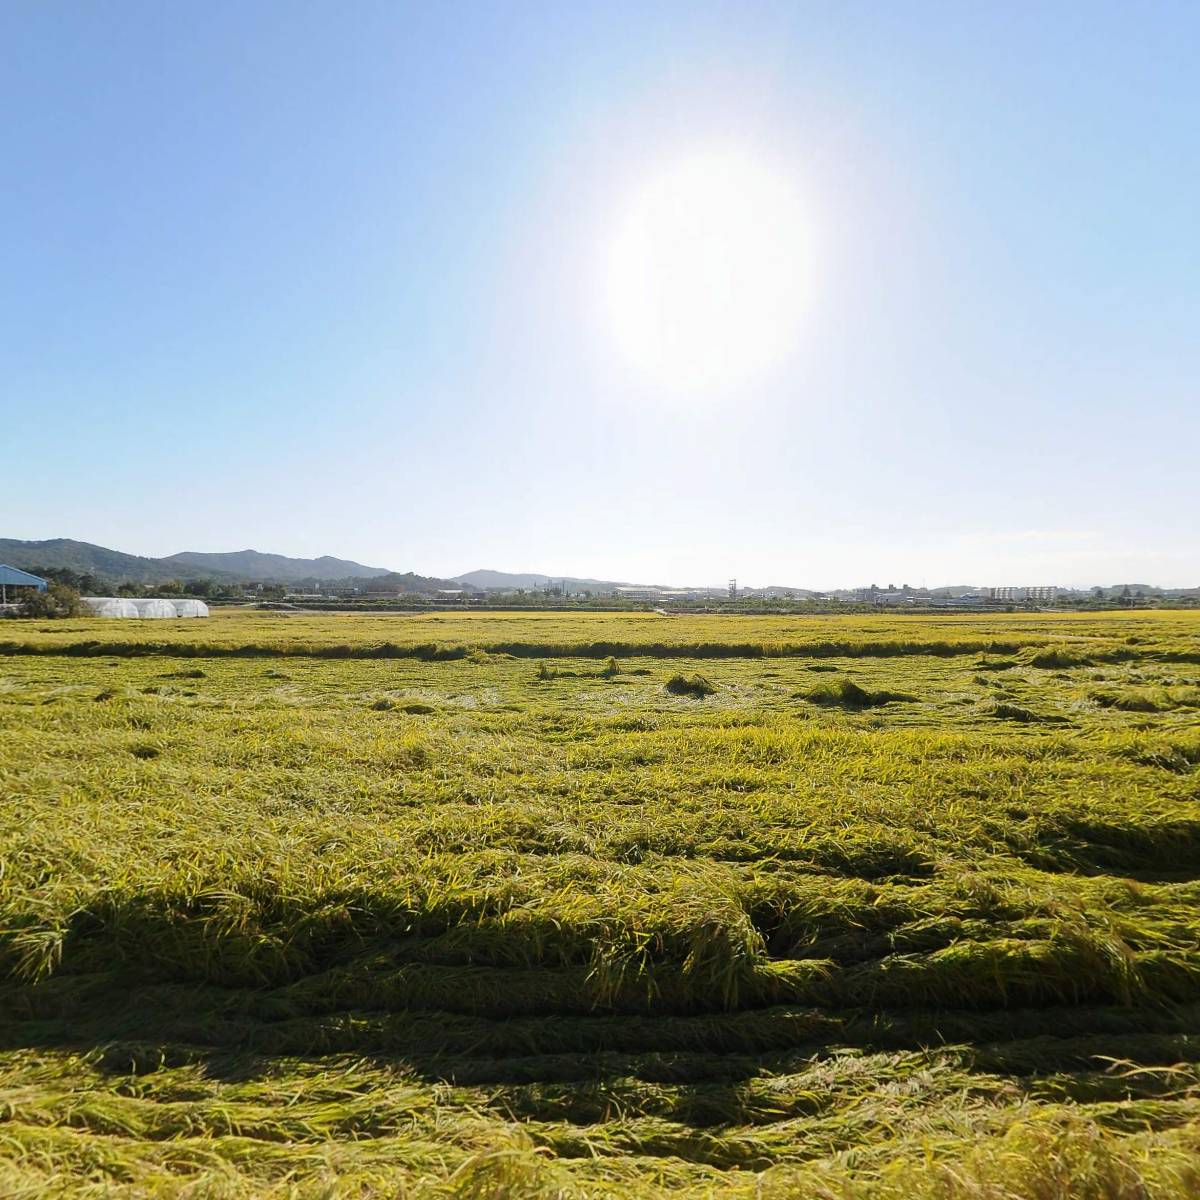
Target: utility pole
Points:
x,y
733,589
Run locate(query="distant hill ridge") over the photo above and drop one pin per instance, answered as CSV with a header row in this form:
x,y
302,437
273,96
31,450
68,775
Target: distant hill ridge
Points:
x,y
240,566
88,559
511,579
278,568
254,566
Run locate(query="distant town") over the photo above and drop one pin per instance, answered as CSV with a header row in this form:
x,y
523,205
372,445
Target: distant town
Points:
x,y
248,576
734,596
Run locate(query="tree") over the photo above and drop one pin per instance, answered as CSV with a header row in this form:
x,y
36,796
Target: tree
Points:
x,y
58,600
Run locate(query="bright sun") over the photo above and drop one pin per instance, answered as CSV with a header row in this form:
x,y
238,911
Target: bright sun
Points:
x,y
705,277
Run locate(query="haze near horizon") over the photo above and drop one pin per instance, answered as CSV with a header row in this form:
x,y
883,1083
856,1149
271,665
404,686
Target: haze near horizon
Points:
x,y
797,294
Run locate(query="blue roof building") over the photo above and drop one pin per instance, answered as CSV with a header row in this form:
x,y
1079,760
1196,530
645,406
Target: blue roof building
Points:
x,y
10,577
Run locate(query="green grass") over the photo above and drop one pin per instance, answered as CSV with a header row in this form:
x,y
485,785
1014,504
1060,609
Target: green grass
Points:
x,y
374,906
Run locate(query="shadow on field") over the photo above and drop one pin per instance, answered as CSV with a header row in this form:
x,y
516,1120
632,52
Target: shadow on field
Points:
x,y
128,1029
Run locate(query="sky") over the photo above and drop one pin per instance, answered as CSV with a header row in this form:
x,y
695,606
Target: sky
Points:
x,y
815,294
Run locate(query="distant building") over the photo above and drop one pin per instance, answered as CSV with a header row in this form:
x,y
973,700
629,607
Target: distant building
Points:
x,y
892,596
1023,595
659,594
979,596
459,596
12,578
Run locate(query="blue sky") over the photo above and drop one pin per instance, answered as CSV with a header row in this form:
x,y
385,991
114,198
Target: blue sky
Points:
x,y
320,278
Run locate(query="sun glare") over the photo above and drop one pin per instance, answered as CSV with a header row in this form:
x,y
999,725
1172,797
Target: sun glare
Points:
x,y
705,276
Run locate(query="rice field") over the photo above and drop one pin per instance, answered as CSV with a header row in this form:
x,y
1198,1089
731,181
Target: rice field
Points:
x,y
546,905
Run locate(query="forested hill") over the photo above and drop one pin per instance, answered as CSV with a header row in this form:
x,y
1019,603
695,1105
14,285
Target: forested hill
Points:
x,y
85,558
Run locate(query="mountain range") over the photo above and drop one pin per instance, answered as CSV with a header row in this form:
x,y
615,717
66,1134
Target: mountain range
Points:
x,y
510,580
239,566
277,568
252,566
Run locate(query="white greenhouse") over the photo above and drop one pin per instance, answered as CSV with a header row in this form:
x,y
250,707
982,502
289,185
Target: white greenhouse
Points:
x,y
155,608
110,606
115,606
